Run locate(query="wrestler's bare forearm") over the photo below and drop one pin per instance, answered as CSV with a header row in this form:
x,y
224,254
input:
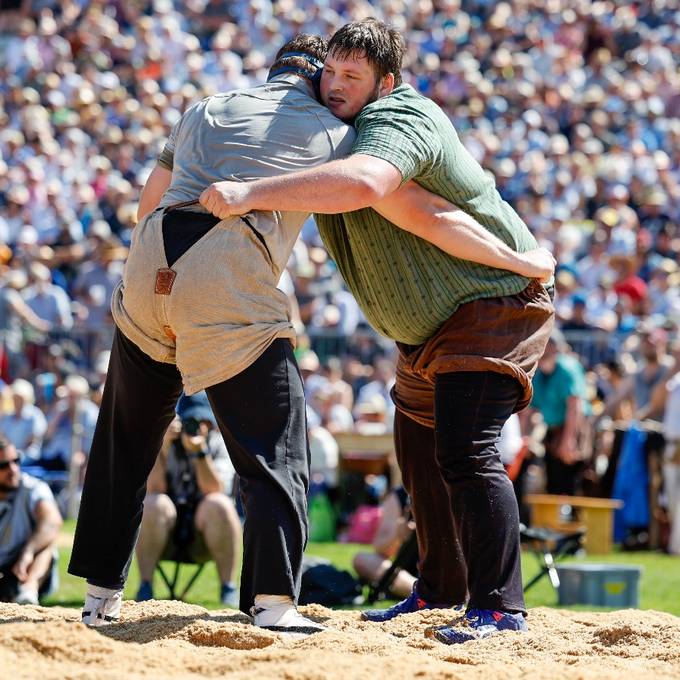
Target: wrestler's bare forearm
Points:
x,y
156,185
362,181
443,224
339,186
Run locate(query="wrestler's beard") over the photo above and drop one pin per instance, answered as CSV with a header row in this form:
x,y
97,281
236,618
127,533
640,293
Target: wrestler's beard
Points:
x,y
374,96
6,488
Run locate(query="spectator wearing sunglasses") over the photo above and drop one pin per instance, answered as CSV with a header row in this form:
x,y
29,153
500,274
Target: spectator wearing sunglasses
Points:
x,y
29,524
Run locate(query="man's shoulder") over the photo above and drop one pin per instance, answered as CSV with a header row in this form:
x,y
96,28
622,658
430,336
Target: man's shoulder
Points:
x,y
404,100
35,488
33,412
280,93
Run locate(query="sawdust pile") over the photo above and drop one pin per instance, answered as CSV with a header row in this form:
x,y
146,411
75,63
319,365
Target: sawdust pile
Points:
x,y
177,640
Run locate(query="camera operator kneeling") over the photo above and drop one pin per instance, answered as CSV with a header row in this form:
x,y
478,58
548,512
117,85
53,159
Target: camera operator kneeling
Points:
x,y
187,512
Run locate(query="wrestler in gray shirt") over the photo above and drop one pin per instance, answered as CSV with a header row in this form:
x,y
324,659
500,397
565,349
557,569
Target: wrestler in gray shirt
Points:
x,y
234,267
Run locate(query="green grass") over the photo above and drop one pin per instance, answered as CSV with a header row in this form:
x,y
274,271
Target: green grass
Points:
x,y
659,587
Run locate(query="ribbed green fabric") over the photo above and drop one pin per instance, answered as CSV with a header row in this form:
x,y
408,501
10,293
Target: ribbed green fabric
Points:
x,y
407,287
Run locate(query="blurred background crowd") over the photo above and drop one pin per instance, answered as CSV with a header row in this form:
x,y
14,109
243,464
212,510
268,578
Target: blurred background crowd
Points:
x,y
573,106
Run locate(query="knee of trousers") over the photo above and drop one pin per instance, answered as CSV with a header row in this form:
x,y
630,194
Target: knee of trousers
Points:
x,y
465,460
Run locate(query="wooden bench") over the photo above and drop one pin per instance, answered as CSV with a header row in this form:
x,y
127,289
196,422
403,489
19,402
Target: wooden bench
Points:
x,y
366,453
596,515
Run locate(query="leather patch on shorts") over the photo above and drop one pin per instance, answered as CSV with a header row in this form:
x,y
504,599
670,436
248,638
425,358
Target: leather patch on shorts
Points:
x,y
165,277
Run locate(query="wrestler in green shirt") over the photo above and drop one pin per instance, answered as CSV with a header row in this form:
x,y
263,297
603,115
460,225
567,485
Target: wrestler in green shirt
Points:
x,y
406,286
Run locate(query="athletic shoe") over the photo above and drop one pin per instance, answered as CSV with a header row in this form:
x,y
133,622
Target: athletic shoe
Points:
x,y
229,596
284,618
26,595
413,603
477,624
101,611
145,592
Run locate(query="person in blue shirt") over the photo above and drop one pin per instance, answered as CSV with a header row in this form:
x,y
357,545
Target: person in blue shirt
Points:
x,y
560,396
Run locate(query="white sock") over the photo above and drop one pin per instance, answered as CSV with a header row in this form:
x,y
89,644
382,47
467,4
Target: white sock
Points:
x,y
269,601
98,591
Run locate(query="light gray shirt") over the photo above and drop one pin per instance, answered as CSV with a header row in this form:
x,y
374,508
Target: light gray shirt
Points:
x,y
224,308
18,518
244,135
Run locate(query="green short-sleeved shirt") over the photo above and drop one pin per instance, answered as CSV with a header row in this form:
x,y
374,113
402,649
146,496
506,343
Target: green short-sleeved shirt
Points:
x,y
406,286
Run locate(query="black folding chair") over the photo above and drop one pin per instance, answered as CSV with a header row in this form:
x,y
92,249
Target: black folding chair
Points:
x,y
179,552
172,584
548,547
406,557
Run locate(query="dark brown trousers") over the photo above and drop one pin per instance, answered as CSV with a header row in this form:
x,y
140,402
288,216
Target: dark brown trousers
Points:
x,y
453,395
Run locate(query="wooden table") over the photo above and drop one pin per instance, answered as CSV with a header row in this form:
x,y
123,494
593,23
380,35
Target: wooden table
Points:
x,y
595,514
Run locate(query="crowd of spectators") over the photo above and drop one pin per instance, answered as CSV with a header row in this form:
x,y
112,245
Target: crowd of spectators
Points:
x,y
573,106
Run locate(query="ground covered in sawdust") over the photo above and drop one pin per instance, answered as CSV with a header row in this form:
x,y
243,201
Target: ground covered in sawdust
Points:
x,y
177,640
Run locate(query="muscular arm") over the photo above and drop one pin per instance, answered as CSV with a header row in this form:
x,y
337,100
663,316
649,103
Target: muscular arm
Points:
x,y
159,180
443,224
47,524
361,181
339,186
207,478
26,314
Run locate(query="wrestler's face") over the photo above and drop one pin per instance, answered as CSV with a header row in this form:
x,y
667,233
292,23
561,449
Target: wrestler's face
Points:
x,y
348,83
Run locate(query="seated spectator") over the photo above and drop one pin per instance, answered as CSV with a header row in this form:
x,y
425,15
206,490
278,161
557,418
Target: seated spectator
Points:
x,y
187,510
332,369
25,426
15,315
309,367
49,302
324,457
29,524
371,416
334,415
382,382
578,320
653,368
394,528
70,426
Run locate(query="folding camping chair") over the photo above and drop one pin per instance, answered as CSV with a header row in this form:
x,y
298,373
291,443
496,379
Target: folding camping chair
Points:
x,y
549,546
172,585
178,551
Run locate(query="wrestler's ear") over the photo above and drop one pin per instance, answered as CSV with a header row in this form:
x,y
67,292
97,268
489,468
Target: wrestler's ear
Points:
x,y
386,84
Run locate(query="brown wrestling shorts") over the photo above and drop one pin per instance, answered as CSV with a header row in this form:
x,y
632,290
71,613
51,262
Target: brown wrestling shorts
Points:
x,y
502,334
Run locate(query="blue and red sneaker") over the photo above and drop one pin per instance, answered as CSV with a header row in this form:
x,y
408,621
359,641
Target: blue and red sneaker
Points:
x,y
477,624
413,603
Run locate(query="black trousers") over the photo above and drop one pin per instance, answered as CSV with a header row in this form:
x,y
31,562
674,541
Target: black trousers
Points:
x,y
261,414
462,500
